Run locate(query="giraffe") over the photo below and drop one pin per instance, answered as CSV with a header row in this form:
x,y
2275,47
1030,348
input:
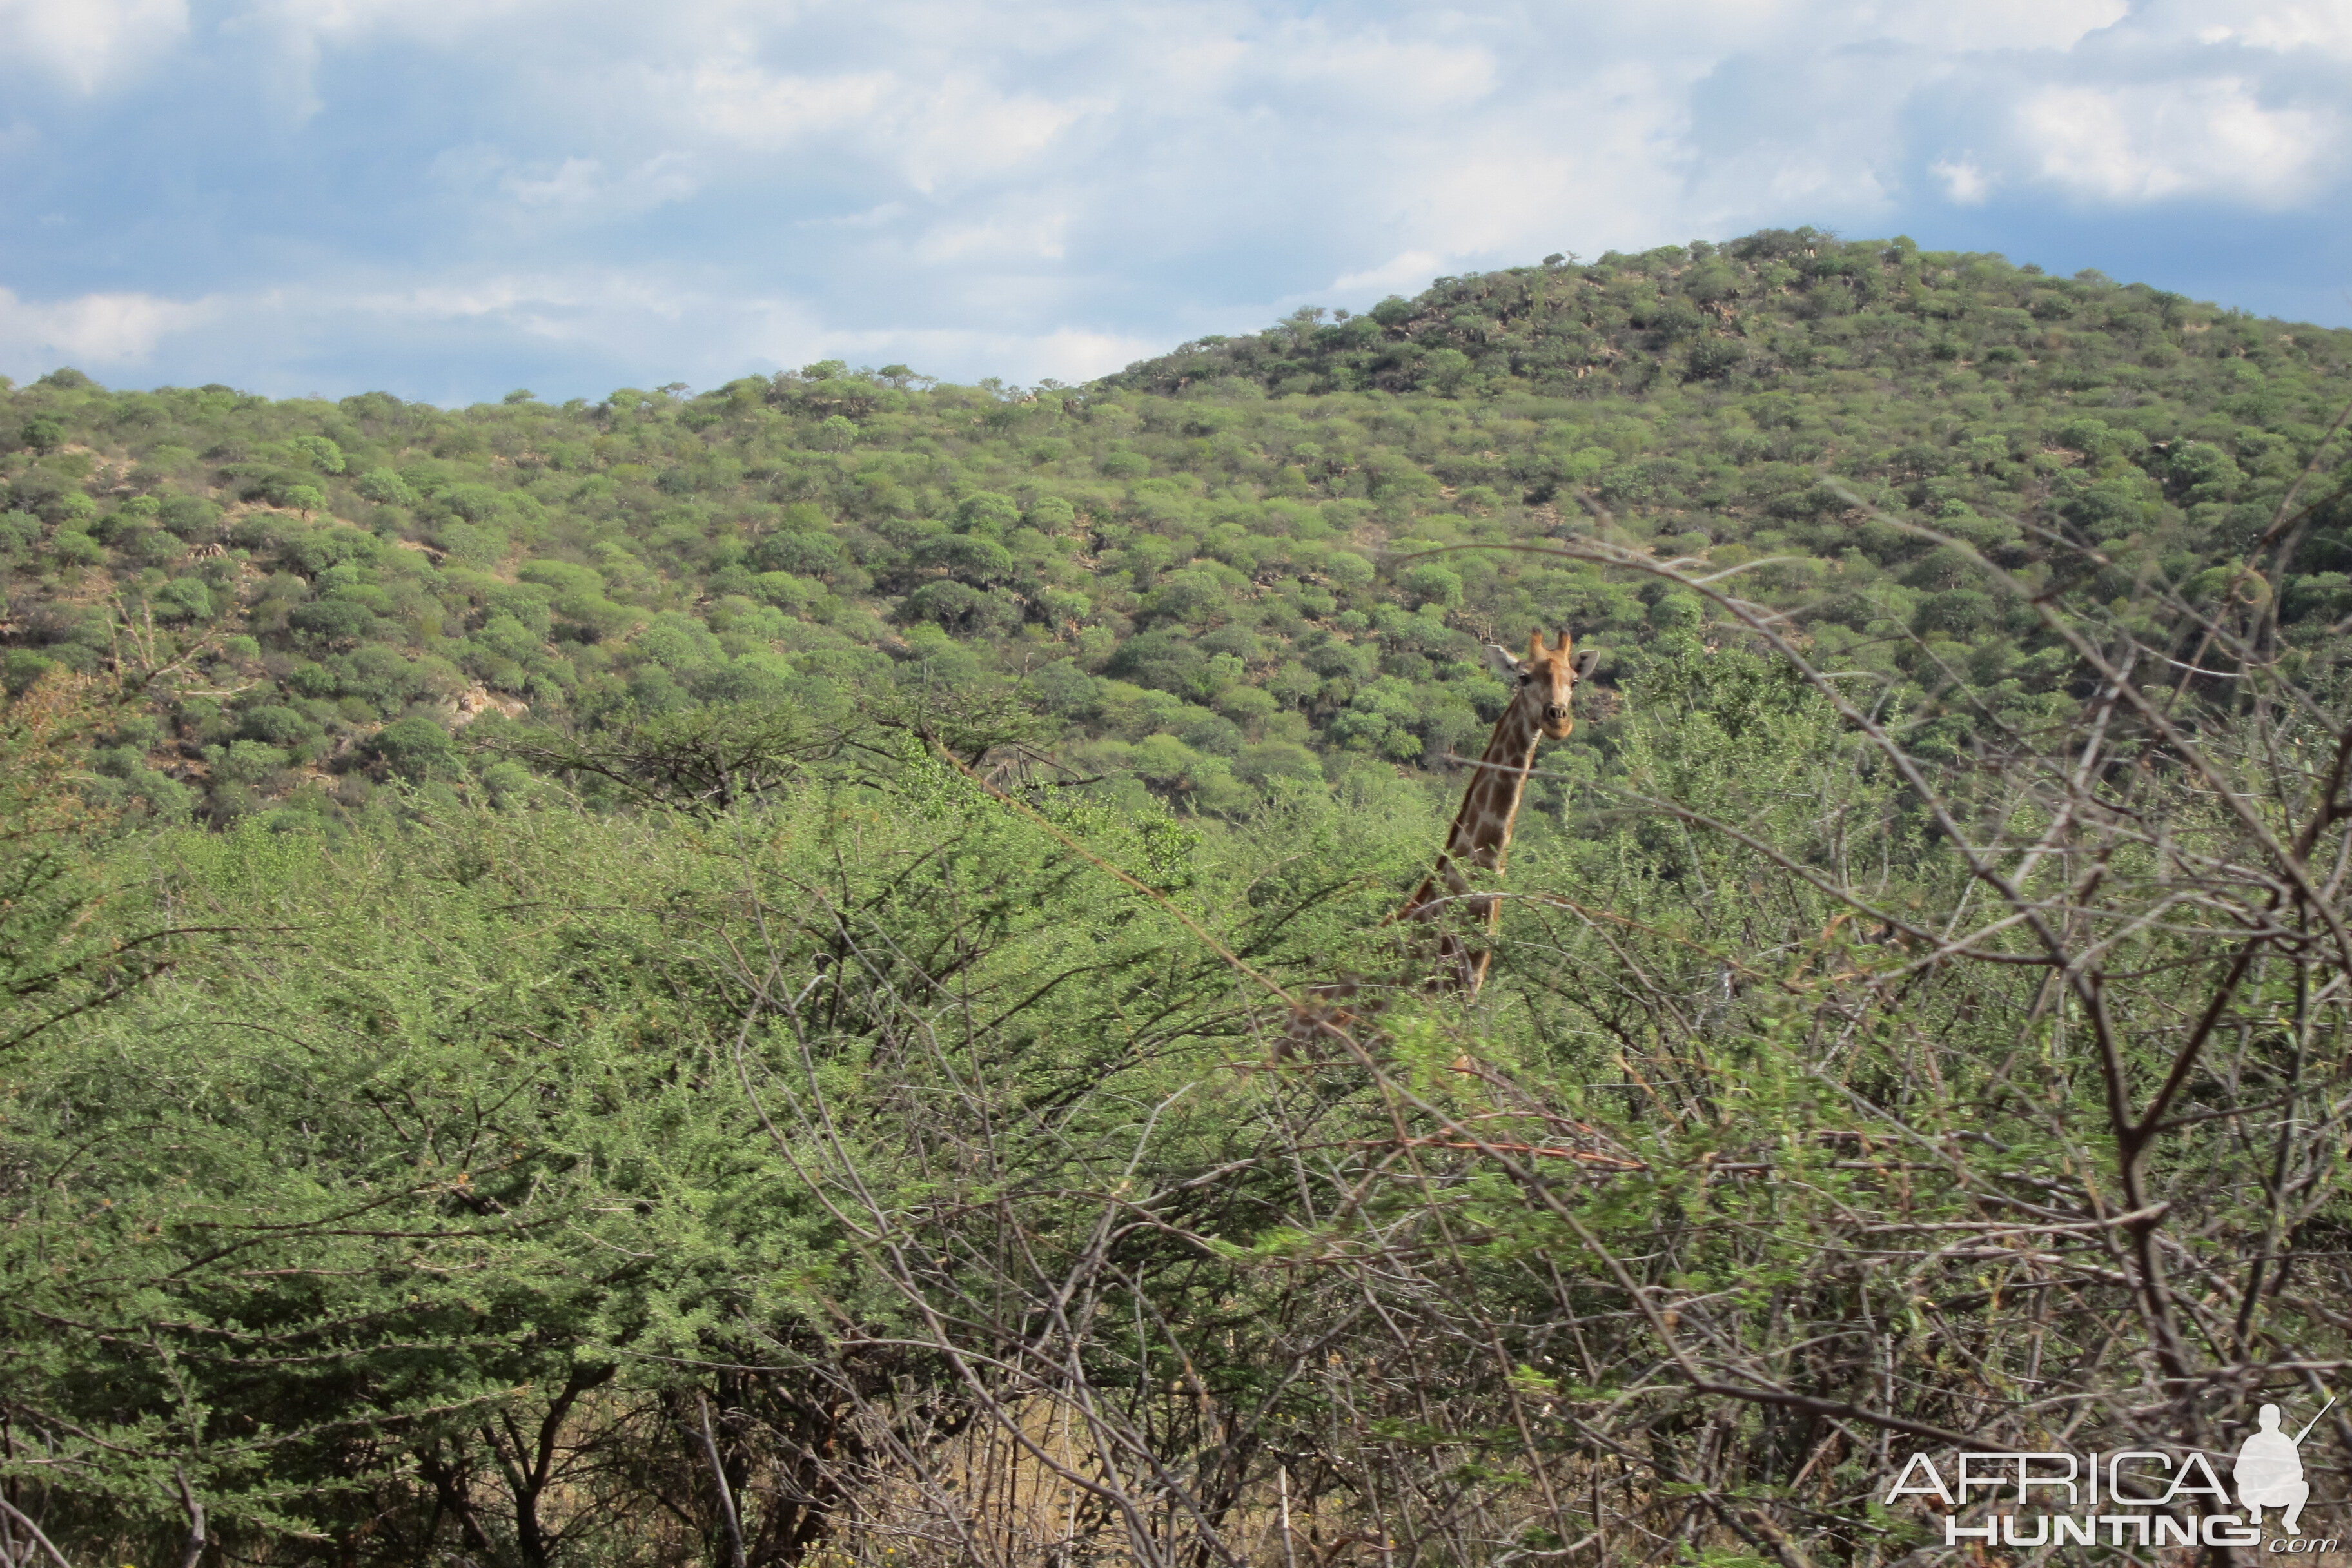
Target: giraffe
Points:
x,y
1543,684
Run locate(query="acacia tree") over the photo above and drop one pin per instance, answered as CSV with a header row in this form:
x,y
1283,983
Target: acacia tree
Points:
x,y
1857,1079
923,1165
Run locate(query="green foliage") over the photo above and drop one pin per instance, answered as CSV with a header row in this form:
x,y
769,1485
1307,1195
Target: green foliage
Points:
x,y
415,747
1724,403
385,486
708,759
58,957
833,935
318,1364
511,1141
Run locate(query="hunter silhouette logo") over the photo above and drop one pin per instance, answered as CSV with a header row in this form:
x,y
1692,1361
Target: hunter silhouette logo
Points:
x,y
2269,1471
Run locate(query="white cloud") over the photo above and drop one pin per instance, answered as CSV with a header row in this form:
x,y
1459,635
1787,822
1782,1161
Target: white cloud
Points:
x,y
1963,182
618,323
93,329
1011,237
771,114
980,186
312,23
872,218
578,180
1066,354
1411,271
545,304
2324,26
584,185
1994,23
1420,74
965,128
934,131
89,43
2146,142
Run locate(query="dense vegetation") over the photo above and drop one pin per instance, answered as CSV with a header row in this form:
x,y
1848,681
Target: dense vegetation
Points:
x,y
731,979
1206,571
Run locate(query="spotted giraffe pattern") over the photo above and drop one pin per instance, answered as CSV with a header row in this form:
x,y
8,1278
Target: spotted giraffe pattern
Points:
x,y
1545,683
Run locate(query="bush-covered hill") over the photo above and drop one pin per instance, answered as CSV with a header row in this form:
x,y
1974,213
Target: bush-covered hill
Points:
x,y
1202,571
1940,1039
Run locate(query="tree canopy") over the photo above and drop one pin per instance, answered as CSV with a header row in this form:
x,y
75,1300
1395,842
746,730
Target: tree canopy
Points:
x,y
804,975
1232,552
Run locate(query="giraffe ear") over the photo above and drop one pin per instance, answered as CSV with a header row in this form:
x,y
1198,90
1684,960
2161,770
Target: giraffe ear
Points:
x,y
1500,658
1585,661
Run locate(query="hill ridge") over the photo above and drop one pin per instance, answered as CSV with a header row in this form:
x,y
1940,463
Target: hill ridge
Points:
x,y
1192,572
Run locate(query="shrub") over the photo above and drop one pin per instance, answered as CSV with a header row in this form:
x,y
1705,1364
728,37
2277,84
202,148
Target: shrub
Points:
x,y
192,517
1961,611
792,594
276,724
248,762
323,451
333,620
960,608
987,514
387,488
20,667
978,560
1431,584
415,747
817,556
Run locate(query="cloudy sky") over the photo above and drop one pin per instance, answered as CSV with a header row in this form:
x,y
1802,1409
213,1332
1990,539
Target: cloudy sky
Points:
x,y
448,199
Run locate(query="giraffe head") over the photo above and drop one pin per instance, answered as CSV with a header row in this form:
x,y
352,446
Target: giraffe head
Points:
x,y
1544,682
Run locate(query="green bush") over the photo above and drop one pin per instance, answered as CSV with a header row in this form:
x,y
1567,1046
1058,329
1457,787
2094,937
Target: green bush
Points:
x,y
415,747
1276,489
387,488
248,762
20,667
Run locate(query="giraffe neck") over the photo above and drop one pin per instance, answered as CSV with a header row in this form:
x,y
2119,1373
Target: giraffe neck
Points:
x,y
1480,836
1481,833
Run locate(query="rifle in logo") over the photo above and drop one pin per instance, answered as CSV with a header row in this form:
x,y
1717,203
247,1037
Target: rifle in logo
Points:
x,y
2269,1471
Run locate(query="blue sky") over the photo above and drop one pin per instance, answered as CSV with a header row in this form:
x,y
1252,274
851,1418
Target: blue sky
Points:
x,y
448,199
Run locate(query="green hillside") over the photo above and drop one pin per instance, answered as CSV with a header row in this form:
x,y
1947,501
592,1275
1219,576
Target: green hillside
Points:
x,y
804,976
1198,570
